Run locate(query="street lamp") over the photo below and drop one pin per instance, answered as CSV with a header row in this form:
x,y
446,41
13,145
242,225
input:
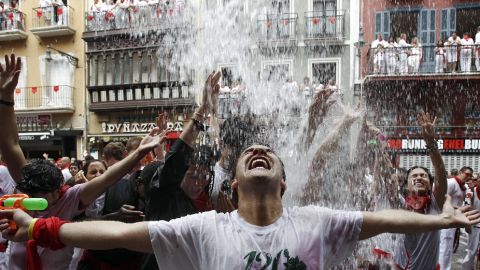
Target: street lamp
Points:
x,y
71,59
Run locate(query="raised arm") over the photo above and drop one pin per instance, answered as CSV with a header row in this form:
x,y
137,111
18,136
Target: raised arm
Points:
x,y
316,113
99,235
98,185
209,101
428,132
9,146
401,221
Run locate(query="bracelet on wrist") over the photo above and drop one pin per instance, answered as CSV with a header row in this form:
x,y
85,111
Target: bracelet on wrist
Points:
x,y
30,228
7,103
432,146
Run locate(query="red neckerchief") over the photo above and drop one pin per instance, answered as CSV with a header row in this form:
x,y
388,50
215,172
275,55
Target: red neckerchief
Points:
x,y
203,203
63,190
417,203
478,193
460,183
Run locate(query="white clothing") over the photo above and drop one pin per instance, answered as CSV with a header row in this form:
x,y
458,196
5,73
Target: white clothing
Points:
x,y
66,174
403,56
468,262
414,58
391,58
477,51
451,46
439,60
379,58
7,184
221,175
314,237
447,236
466,53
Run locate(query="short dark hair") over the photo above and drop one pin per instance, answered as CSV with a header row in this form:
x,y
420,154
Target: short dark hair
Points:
x,y
40,176
90,161
464,168
234,173
133,143
114,150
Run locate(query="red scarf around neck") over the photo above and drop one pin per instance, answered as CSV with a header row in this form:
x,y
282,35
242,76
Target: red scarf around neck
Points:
x,y
460,183
418,203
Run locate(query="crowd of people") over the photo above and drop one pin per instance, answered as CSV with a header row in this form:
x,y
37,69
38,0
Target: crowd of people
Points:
x,y
191,208
118,14
454,54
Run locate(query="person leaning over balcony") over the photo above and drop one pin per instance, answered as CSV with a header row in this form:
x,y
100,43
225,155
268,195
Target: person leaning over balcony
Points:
x,y
466,52
451,46
391,56
41,179
378,47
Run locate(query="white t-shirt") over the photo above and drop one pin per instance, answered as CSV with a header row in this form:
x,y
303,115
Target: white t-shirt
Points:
x,y
66,174
7,184
311,236
454,190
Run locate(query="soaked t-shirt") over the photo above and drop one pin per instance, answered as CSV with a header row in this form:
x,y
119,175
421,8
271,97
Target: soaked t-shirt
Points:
x,y
420,250
67,207
308,237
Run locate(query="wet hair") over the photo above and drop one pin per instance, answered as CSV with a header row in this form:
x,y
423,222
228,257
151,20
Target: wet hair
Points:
x,y
454,172
204,156
430,177
234,173
114,150
40,176
464,168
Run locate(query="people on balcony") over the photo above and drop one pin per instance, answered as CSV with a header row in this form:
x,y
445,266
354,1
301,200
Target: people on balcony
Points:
x,y
3,22
439,57
452,52
477,51
122,17
391,56
403,47
60,12
415,56
466,52
379,50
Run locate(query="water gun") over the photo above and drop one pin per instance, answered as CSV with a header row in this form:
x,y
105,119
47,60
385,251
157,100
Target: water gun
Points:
x,y
21,201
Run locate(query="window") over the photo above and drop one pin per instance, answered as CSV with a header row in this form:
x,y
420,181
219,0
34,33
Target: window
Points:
x,y
280,6
277,70
57,79
322,71
230,75
117,74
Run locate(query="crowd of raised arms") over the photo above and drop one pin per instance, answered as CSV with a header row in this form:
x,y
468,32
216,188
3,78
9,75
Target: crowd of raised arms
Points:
x,y
201,206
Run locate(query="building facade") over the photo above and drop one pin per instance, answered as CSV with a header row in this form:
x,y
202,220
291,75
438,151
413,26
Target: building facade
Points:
x,y
50,94
442,76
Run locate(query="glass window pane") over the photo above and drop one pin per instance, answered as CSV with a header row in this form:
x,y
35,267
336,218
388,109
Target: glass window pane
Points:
x,y
127,76
110,70
154,72
101,70
117,73
92,70
137,61
145,68
444,18
378,23
432,20
423,24
452,19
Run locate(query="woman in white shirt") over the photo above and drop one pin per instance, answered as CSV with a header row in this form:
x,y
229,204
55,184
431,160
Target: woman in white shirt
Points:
x,y
415,56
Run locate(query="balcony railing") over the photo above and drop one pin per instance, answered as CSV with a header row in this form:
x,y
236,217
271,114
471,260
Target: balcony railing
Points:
x,y
277,27
140,96
12,25
52,21
394,60
133,17
44,98
328,25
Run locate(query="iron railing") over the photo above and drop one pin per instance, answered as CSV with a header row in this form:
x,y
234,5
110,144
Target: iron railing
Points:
x,y
44,98
12,19
52,16
133,17
274,27
141,92
327,25
396,60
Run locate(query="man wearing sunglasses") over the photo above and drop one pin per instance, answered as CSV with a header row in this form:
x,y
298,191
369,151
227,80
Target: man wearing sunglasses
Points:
x,y
456,189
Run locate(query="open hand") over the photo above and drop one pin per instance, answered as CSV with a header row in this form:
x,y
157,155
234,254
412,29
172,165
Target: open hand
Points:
x,y
427,122
210,92
153,139
460,217
9,77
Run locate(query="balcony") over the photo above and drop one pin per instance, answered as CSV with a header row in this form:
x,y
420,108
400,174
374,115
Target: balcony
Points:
x,y
139,96
52,21
122,21
12,25
51,99
426,62
320,27
277,30
229,104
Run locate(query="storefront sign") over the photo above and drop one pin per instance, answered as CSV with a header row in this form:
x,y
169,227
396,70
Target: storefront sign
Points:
x,y
444,145
34,119
127,127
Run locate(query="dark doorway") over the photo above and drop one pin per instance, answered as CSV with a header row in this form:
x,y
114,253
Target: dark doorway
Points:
x,y
465,23
404,22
